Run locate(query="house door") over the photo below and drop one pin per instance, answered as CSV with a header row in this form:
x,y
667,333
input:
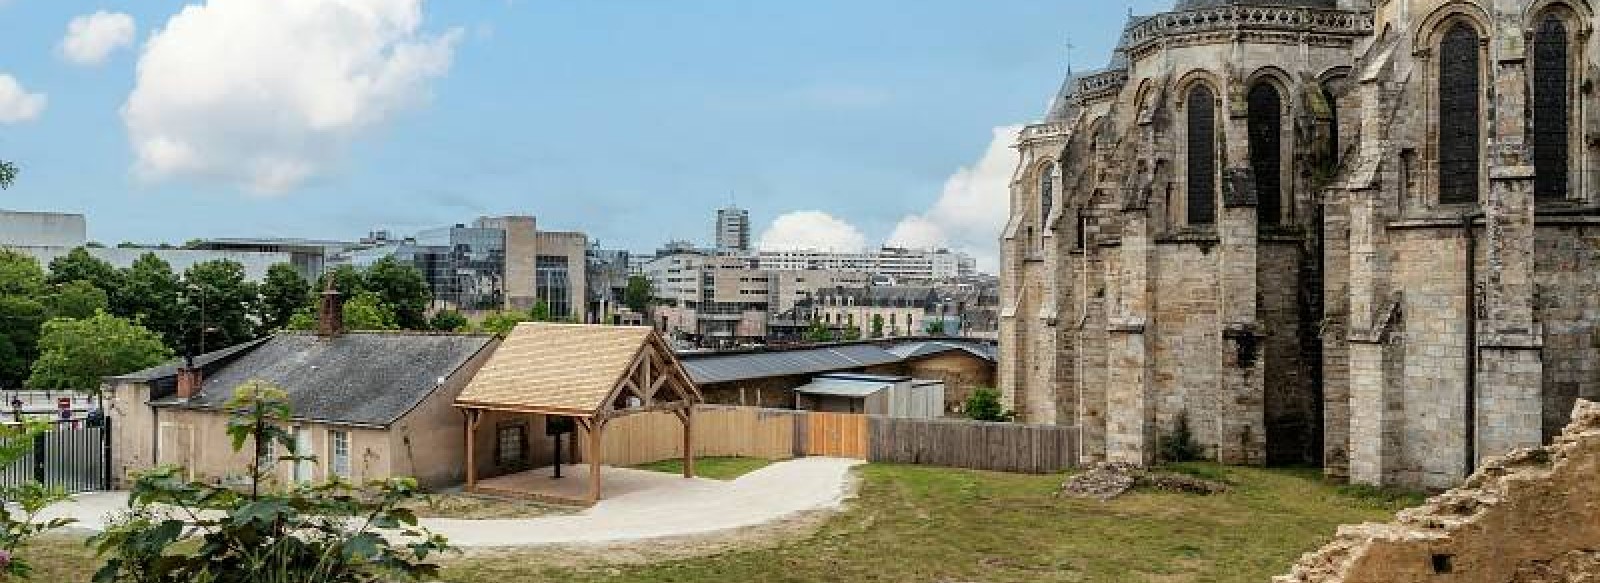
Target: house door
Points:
x,y
302,449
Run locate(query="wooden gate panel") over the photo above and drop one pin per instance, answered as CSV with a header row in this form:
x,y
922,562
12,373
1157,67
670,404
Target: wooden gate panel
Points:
x,y
836,435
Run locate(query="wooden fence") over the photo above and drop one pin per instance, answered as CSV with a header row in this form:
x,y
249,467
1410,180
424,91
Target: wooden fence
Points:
x,y
783,434
1004,447
718,431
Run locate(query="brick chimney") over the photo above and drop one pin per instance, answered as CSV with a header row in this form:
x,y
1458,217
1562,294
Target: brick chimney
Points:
x,y
330,317
189,379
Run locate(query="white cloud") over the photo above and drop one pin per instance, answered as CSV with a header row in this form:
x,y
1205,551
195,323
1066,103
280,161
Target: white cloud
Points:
x,y
93,37
267,93
972,209
811,230
16,104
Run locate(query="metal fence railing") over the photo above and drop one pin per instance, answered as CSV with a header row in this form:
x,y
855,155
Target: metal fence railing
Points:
x,y
73,455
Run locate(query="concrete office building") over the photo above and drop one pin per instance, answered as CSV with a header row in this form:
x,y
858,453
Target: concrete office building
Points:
x,y
45,236
733,230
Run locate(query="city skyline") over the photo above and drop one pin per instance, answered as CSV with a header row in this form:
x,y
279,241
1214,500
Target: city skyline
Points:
x,y
467,125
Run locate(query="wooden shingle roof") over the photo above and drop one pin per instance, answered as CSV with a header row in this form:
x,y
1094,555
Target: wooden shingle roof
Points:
x,y
565,369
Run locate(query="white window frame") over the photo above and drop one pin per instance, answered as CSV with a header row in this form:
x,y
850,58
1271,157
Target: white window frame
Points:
x,y
339,461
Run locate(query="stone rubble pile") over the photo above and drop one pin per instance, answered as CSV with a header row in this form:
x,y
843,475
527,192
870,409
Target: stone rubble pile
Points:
x,y
1104,481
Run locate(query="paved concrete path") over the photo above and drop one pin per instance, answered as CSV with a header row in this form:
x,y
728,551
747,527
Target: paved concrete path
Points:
x,y
675,507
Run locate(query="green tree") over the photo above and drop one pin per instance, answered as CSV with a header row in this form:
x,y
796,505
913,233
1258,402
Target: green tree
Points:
x,y
501,323
367,311
20,319
21,314
934,327
151,296
76,354
302,319
403,288
984,405
76,300
877,325
449,321
347,280
283,292
20,275
78,265
8,174
818,332
638,293
176,530
219,305
540,312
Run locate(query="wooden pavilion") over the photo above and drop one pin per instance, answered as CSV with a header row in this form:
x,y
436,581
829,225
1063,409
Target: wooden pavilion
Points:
x,y
545,373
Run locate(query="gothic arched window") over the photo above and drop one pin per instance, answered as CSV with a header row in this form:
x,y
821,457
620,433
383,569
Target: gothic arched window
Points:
x,y
1266,127
1047,186
1202,158
1551,108
1460,84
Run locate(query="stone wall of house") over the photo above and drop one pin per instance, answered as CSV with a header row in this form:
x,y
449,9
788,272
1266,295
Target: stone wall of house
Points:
x,y
1528,517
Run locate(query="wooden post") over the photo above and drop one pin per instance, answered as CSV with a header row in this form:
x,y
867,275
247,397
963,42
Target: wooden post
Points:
x,y
594,460
688,442
472,439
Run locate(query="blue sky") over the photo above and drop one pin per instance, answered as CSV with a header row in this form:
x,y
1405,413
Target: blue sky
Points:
x,y
628,119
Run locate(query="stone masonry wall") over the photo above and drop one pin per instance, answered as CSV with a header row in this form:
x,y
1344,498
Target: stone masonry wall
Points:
x,y
1291,408
1186,345
1532,516
1567,284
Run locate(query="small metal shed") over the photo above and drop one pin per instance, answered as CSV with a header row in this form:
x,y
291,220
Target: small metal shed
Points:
x,y
894,396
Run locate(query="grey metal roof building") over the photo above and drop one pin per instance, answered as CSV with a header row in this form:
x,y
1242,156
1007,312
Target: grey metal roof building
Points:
x,y
365,379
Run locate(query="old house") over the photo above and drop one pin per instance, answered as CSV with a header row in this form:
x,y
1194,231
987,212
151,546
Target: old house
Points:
x,y
367,405
1360,233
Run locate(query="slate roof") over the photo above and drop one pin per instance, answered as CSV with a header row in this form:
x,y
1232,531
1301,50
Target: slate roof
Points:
x,y
711,368
358,378
204,362
915,350
721,368
560,368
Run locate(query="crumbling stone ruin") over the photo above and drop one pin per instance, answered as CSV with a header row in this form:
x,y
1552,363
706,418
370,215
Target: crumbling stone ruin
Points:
x,y
1360,233
1104,481
1531,516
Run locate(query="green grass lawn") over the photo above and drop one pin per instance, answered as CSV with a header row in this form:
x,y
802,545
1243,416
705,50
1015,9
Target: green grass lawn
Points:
x,y
922,524
716,468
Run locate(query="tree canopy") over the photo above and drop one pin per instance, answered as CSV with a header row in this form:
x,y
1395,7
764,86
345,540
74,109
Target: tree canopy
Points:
x,y
218,303
21,314
367,311
77,353
638,293
78,265
76,299
150,296
449,321
403,289
283,292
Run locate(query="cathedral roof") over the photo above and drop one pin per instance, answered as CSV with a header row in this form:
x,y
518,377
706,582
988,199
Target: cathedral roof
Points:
x,y
1199,4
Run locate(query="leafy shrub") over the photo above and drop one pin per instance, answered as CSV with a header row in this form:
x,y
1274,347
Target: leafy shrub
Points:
x,y
336,532
449,321
984,405
1180,445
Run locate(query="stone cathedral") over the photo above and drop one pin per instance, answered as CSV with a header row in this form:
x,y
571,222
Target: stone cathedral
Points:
x,y
1363,234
